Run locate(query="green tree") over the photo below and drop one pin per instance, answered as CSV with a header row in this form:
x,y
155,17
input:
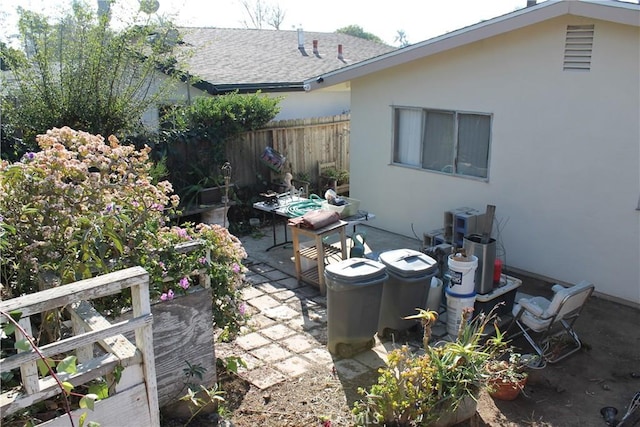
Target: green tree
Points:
x,y
358,31
79,72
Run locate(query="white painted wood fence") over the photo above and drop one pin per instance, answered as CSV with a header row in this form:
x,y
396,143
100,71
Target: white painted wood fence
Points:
x,y
133,400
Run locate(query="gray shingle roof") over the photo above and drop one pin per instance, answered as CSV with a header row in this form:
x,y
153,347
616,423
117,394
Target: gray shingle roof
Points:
x,y
233,57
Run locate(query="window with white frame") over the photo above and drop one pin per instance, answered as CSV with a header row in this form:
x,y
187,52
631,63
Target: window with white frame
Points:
x,y
451,142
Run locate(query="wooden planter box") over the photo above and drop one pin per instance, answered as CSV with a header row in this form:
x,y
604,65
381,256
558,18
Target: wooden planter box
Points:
x,y
182,332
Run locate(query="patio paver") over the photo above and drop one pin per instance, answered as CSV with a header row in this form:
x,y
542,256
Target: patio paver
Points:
x,y
287,333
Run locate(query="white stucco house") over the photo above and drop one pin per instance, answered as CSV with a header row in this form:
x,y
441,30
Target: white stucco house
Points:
x,y
275,62
536,112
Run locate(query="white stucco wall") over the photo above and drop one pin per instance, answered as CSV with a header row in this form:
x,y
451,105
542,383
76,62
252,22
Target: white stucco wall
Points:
x,y
302,105
293,105
564,159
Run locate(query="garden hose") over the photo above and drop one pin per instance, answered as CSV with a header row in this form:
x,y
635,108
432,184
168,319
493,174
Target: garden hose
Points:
x,y
297,209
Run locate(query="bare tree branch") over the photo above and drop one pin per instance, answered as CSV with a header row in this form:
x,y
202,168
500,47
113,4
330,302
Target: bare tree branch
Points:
x,y
276,16
260,14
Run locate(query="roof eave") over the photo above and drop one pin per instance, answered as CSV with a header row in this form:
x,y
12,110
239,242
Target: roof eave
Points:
x,y
219,89
482,30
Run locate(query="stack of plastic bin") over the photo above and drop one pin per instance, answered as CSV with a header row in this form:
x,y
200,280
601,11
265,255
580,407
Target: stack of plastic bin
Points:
x,y
407,289
354,291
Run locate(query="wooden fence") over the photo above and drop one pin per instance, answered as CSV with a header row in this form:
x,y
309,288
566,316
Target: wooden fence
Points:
x,y
305,143
135,395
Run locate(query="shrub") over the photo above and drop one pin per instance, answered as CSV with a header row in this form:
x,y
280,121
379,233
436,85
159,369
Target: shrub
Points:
x,y
197,134
81,207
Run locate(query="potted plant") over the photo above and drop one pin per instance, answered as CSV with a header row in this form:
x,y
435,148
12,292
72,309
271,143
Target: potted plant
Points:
x,y
438,387
506,376
336,179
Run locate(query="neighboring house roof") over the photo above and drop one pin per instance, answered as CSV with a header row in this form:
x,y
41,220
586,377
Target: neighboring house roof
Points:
x,y
227,59
607,10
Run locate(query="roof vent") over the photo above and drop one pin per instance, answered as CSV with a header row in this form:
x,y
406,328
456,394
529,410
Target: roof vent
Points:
x,y
315,48
578,47
340,57
301,42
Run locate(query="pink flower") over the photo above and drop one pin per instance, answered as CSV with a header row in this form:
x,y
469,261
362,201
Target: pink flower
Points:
x,y
242,308
167,296
235,267
202,260
164,268
181,232
184,283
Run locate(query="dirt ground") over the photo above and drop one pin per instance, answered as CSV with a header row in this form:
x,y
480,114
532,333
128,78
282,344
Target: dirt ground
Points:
x,y
606,372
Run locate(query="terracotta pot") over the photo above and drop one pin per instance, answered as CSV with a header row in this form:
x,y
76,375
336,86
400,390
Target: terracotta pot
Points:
x,y
498,389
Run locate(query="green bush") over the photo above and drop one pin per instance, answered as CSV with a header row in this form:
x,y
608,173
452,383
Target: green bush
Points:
x,y
195,137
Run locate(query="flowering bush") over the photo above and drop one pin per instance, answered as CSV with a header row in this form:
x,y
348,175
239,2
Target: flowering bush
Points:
x,y
189,250
81,207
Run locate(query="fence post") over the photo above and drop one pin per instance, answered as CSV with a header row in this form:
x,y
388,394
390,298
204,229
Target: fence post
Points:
x,y
28,371
144,341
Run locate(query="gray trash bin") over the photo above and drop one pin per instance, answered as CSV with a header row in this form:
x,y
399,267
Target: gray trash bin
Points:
x,y
410,274
354,290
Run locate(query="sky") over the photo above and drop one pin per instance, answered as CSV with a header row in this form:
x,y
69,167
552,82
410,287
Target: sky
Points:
x,y
419,19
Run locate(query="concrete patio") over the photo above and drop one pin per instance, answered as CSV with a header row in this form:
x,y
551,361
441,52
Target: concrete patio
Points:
x,y
287,333
287,336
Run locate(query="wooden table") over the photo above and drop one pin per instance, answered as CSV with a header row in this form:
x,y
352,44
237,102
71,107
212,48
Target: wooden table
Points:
x,y
318,251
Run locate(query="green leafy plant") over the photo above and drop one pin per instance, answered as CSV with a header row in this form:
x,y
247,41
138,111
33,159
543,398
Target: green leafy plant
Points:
x,y
49,366
197,396
511,369
419,388
232,363
192,372
341,176
202,398
303,176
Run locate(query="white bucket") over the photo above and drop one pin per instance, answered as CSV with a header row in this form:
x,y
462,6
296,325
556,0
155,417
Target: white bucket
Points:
x,y
462,275
455,305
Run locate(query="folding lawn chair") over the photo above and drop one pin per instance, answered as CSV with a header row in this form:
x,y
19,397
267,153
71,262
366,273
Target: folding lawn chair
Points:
x,y
548,325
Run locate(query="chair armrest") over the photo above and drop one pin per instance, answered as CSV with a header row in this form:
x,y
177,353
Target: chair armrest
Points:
x,y
531,307
557,288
